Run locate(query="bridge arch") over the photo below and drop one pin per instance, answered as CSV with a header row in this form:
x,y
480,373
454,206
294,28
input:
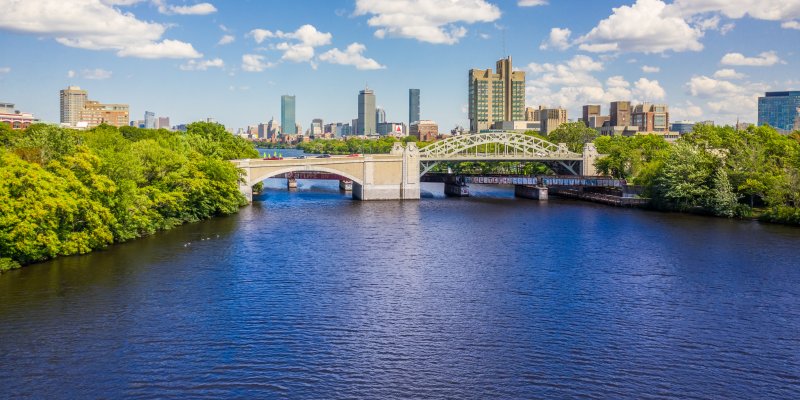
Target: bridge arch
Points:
x,y
303,168
524,146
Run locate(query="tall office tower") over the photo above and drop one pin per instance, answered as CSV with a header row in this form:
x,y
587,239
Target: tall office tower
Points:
x,y
73,100
413,106
651,117
149,120
779,110
620,113
366,112
590,110
288,122
380,116
496,96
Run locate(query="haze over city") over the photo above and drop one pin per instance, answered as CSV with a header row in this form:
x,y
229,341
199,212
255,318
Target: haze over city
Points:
x,y
232,61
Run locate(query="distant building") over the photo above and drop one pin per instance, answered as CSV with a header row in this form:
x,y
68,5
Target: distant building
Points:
x,y
517,126
95,113
366,113
354,127
551,118
620,114
707,123
413,106
273,129
495,96
651,117
149,120
589,111
73,98
682,127
617,130
14,118
530,114
163,123
288,121
779,110
316,127
180,128
396,129
380,116
424,131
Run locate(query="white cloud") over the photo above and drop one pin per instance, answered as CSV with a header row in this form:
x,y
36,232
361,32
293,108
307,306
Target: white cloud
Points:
x,y
226,39
300,45
686,110
646,27
727,100
650,70
196,9
431,21
255,63
559,39
202,65
71,74
791,25
649,90
531,3
96,74
5,70
92,25
773,10
164,49
765,59
727,73
351,56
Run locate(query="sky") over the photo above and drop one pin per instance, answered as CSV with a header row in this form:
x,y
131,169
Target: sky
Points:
x,y
231,60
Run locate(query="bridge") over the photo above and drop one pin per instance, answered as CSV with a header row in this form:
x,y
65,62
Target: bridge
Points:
x,y
396,176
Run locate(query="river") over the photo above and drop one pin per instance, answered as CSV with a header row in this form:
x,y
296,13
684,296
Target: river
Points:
x,y
309,294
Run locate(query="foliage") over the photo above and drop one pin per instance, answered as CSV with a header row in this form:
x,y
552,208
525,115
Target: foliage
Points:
x,y
574,134
66,192
716,170
355,145
7,264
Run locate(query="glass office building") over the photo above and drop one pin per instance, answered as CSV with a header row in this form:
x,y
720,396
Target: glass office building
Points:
x,y
288,123
780,110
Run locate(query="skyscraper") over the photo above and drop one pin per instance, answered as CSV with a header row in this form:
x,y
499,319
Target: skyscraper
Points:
x,y
779,110
496,96
73,100
413,106
366,112
149,120
288,122
620,113
380,116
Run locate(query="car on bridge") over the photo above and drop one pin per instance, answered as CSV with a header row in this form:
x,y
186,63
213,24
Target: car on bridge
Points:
x,y
300,157
324,156
354,155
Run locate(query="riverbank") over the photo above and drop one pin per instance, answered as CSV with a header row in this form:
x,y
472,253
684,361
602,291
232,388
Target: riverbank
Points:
x,y
66,192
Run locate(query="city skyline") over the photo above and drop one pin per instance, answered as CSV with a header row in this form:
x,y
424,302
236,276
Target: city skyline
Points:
x,y
193,60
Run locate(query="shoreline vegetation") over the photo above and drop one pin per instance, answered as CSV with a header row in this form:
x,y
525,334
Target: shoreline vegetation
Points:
x,y
66,192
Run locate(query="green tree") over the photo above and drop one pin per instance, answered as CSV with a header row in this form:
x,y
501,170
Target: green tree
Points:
x,y
574,134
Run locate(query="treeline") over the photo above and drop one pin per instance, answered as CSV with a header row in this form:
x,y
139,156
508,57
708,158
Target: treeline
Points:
x,y
354,145
713,170
65,192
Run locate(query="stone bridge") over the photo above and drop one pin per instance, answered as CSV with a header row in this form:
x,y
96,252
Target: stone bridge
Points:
x,y
396,176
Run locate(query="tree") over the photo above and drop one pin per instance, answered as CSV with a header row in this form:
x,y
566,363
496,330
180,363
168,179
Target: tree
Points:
x,y
574,134
722,201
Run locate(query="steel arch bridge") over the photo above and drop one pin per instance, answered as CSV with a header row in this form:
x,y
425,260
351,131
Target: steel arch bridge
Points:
x,y
499,146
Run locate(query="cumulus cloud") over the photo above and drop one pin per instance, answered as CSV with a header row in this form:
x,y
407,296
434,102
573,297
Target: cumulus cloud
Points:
x,y
226,39
623,31
202,65
196,9
765,59
164,49
727,100
255,63
351,56
431,21
649,90
558,40
5,70
531,3
685,110
298,45
727,73
96,74
650,70
93,25
791,25
772,10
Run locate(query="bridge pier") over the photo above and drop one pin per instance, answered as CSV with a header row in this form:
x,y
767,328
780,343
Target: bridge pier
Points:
x,y
346,186
531,192
291,183
454,186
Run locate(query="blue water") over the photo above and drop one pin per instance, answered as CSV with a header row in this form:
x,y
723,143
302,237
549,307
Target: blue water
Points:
x,y
308,294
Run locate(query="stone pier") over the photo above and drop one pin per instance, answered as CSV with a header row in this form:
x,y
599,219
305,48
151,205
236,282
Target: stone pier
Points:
x,y
346,186
531,192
